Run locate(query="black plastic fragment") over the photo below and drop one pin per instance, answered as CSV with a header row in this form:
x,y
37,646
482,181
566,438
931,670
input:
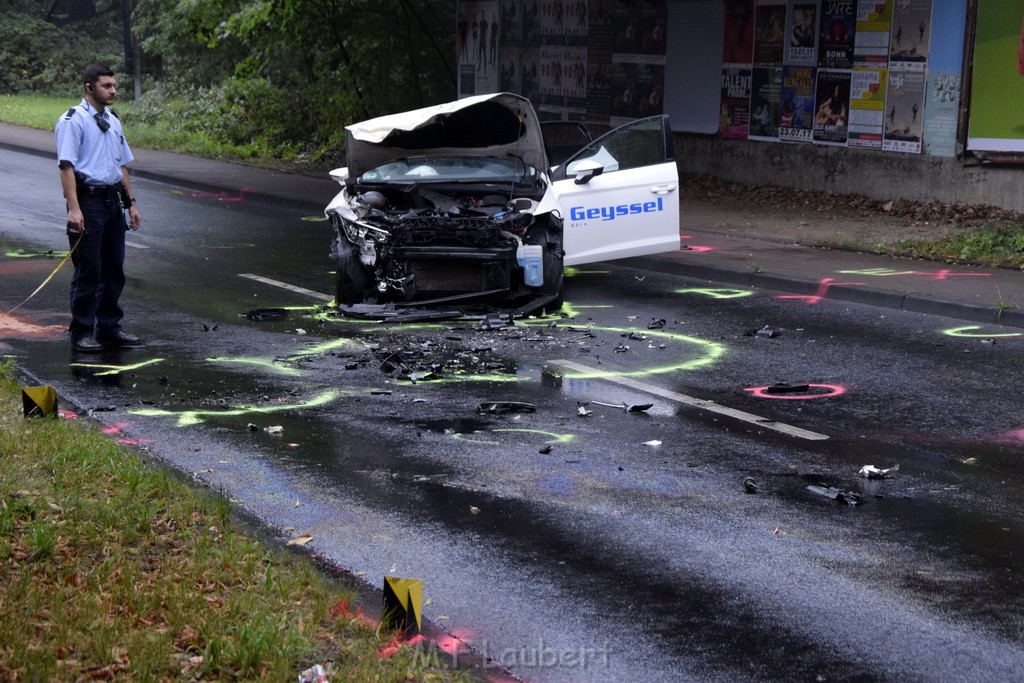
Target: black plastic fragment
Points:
x,y
498,407
261,314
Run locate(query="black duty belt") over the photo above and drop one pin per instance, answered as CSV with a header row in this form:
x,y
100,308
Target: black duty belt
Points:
x,y
99,190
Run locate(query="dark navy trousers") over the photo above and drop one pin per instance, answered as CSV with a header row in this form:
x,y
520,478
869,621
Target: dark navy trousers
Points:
x,y
99,268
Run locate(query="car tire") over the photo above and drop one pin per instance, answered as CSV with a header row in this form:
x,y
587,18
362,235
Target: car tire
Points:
x,y
352,279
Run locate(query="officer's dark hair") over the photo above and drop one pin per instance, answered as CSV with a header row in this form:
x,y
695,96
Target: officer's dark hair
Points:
x,y
92,73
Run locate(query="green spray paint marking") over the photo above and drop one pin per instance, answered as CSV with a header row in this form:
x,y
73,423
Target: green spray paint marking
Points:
x,y
878,272
187,418
463,437
571,271
323,347
21,253
262,362
115,369
712,352
552,437
717,293
965,332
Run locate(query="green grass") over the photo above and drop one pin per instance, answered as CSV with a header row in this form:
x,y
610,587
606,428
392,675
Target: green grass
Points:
x,y
110,568
1001,245
40,112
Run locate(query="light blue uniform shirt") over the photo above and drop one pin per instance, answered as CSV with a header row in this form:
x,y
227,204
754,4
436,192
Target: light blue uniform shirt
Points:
x,y
95,154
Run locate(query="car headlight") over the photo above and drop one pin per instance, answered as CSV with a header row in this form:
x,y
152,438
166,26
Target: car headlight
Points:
x,y
357,231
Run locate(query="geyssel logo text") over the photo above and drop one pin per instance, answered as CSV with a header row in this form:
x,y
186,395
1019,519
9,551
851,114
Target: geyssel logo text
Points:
x,y
610,213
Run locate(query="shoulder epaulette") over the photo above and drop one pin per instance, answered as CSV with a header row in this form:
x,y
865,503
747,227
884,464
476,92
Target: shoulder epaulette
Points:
x,y
71,112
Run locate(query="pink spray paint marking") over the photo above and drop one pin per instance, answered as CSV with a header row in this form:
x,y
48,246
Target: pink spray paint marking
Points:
x,y
946,274
690,247
116,429
823,286
830,391
222,195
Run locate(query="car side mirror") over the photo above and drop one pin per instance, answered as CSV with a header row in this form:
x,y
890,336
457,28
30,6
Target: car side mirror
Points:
x,y
339,175
586,170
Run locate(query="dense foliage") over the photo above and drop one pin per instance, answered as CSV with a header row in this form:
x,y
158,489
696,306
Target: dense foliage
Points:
x,y
282,75
42,45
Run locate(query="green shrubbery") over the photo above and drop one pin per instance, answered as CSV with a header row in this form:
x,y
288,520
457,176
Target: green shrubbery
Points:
x,y
248,78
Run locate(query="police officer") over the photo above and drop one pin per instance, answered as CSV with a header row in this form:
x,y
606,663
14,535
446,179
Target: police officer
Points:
x,y
92,156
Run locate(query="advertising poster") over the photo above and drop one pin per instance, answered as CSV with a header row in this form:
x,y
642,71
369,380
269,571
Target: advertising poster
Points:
x,y
477,32
563,23
871,42
836,35
641,28
509,69
765,90
797,104
530,73
832,107
769,34
942,106
802,34
563,80
910,35
636,90
738,46
867,107
601,37
734,122
638,61
531,23
904,115
997,78
510,22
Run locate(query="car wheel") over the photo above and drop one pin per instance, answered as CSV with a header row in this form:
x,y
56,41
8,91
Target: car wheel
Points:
x,y
352,278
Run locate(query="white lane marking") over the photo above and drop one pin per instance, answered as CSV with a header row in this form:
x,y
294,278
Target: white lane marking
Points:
x,y
697,402
290,288
133,244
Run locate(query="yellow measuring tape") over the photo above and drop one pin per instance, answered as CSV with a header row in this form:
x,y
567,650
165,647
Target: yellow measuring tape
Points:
x,y
50,276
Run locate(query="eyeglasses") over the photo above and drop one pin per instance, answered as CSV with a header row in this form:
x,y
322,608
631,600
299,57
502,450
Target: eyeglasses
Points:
x,y
101,122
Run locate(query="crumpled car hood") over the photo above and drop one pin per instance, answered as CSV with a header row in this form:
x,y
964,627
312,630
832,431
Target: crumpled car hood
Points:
x,y
499,125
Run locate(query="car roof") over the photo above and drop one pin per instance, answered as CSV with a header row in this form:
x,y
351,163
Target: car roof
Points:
x,y
499,125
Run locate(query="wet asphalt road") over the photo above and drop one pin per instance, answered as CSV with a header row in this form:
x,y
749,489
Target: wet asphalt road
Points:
x,y
604,558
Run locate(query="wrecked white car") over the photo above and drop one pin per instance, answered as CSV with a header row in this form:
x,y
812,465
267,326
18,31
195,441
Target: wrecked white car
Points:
x,y
456,206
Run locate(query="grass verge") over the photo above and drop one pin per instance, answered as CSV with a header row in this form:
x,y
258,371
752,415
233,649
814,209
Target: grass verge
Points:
x,y
34,111
999,245
112,569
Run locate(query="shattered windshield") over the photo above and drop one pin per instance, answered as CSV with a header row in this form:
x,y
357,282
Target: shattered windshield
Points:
x,y
450,168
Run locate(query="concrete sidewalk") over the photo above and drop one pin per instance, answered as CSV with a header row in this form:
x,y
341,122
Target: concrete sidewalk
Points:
x,y
984,296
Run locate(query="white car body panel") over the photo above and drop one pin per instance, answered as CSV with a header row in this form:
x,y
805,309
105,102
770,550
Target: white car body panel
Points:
x,y
372,143
620,214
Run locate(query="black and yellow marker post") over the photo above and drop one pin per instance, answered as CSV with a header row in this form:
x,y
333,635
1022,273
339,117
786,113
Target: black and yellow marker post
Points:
x,y
39,401
403,603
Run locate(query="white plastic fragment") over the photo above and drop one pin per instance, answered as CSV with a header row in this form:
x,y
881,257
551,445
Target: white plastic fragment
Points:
x,y
314,674
275,429
872,472
653,442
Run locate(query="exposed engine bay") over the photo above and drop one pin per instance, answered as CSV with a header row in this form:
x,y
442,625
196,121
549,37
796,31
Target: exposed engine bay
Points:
x,y
426,242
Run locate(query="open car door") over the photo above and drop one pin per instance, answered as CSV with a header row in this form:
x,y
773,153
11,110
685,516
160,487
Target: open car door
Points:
x,y
619,195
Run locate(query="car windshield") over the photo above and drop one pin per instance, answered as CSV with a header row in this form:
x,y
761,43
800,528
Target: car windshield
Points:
x,y
450,168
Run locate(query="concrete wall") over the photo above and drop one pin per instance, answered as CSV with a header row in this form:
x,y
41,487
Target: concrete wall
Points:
x,y
847,170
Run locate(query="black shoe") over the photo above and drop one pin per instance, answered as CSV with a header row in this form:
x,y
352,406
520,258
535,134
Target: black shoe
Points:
x,y
86,345
119,339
